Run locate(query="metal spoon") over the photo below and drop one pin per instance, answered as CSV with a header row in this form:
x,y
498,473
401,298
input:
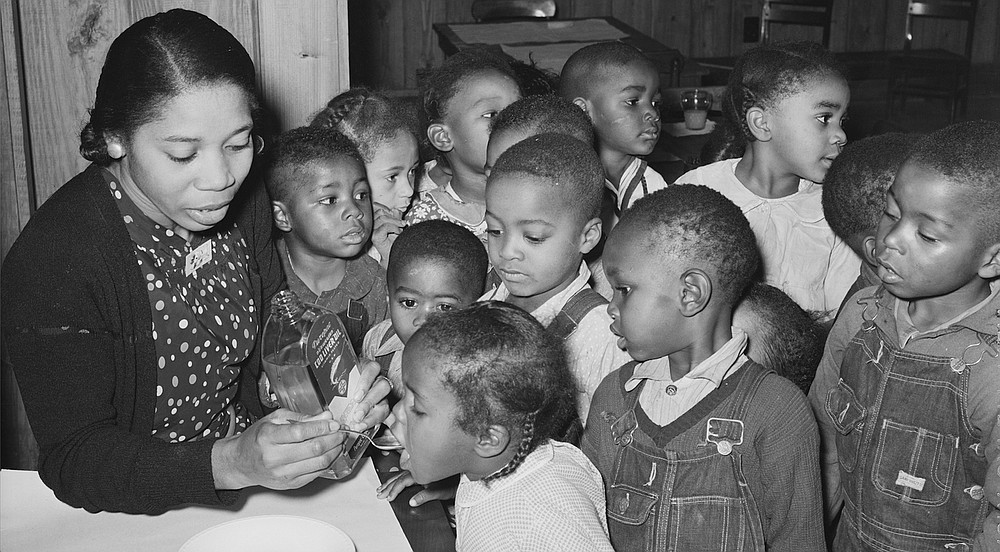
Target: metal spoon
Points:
x,y
385,442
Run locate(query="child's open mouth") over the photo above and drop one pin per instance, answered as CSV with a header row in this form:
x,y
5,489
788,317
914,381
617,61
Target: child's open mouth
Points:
x,y
887,274
355,236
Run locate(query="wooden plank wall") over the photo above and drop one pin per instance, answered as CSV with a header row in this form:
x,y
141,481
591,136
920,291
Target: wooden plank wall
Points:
x,y
17,447
52,53
396,39
301,62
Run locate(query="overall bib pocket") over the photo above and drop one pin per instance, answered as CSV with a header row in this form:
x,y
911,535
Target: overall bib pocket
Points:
x,y
848,417
914,464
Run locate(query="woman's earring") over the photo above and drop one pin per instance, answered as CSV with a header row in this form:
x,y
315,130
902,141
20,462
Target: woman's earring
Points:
x,y
115,150
258,144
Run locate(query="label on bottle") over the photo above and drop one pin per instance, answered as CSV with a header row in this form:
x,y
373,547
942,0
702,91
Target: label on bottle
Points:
x,y
333,361
336,372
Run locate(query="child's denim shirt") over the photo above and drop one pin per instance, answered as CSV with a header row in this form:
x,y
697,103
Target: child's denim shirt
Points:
x,y
914,416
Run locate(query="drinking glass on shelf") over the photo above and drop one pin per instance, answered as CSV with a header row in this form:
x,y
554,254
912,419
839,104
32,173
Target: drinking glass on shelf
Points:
x,y
696,104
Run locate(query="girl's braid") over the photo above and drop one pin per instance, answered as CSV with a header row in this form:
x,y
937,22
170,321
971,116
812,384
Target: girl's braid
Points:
x,y
740,99
523,450
335,113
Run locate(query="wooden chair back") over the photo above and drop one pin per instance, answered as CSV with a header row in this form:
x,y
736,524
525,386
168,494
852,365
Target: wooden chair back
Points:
x,y
957,10
810,13
494,10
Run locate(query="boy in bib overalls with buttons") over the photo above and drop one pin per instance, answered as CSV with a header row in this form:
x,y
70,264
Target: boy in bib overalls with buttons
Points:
x,y
700,447
908,391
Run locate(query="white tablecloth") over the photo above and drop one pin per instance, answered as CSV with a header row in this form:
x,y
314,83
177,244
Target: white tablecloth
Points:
x,y
33,520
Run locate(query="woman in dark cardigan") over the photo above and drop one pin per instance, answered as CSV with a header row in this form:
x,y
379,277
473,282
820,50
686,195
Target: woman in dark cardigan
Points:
x,y
140,378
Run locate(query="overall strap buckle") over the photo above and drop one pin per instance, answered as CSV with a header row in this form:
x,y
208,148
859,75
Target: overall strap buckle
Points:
x,y
726,433
623,427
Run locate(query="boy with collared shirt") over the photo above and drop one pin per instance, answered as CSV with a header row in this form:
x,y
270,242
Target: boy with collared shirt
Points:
x,y
700,447
908,391
543,197
321,205
619,88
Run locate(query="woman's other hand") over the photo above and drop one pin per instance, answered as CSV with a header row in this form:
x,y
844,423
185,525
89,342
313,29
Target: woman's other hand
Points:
x,y
283,450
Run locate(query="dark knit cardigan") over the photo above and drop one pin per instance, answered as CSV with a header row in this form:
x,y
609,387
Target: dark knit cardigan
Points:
x,y
77,331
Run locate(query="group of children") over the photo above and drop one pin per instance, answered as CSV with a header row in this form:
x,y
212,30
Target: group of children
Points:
x,y
547,289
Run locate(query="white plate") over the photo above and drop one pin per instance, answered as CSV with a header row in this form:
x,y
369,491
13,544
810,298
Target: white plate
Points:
x,y
678,129
271,533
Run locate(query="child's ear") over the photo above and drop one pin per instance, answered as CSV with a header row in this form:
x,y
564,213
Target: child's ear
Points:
x,y
696,291
868,248
584,104
591,235
279,212
757,120
991,266
492,441
440,136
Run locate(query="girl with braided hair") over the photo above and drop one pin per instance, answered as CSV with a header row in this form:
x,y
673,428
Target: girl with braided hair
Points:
x,y
487,389
383,129
788,102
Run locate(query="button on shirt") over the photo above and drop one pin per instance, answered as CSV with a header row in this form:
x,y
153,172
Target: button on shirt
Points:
x,y
664,400
205,323
592,350
553,501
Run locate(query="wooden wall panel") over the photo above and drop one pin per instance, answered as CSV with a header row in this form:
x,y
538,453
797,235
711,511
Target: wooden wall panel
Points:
x,y
584,8
63,53
711,28
18,448
986,47
699,28
302,57
297,47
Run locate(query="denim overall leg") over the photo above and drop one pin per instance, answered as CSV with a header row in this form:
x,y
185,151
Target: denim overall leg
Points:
x,y
910,461
685,501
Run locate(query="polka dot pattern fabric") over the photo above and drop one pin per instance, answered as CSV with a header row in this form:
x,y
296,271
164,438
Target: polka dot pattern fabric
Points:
x,y
205,324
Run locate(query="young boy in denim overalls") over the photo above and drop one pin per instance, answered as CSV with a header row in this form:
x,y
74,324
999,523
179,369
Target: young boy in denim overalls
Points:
x,y
700,447
908,392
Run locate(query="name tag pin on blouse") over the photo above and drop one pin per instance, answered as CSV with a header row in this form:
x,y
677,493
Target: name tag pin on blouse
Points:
x,y
197,258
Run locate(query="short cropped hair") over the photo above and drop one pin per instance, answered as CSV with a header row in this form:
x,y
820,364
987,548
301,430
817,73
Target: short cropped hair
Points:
x,y
588,67
504,369
968,155
544,114
299,147
697,225
444,244
563,161
855,186
781,336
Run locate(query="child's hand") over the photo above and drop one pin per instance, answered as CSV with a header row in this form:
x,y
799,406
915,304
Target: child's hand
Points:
x,y
388,224
440,490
